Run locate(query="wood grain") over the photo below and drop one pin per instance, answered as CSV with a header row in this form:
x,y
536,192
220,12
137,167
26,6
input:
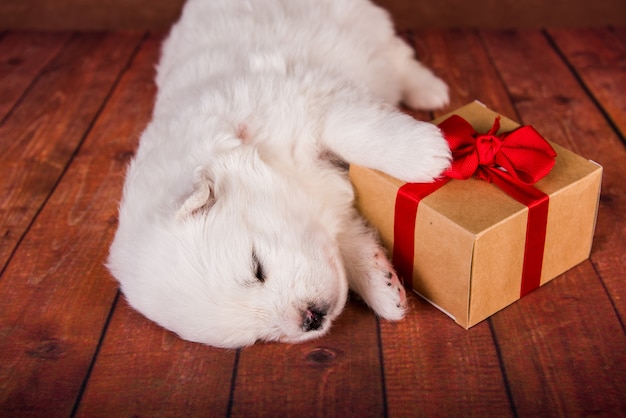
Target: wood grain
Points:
x,y
433,367
71,345
599,58
49,124
561,369
23,57
143,370
338,375
458,57
56,294
559,359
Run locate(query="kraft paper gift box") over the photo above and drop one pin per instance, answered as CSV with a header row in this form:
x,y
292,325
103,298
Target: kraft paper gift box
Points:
x,y
474,248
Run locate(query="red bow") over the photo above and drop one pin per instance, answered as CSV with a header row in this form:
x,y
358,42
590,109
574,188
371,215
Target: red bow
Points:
x,y
513,161
521,156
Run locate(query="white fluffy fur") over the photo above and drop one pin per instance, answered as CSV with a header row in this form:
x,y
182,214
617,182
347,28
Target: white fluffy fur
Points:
x,y
257,100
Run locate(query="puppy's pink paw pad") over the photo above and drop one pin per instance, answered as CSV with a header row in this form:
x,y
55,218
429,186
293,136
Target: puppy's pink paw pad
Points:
x,y
392,297
394,282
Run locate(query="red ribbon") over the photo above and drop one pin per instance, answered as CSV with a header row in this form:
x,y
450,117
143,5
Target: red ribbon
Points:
x,y
513,161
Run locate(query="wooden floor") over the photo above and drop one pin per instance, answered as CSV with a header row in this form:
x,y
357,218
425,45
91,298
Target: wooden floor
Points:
x,y
72,106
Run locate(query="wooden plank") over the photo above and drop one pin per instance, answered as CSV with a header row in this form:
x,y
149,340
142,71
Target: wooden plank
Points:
x,y
563,349
563,346
24,54
433,367
141,368
55,292
49,124
144,370
599,59
458,57
338,375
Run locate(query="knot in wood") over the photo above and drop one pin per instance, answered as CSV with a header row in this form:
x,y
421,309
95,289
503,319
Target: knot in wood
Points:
x,y
321,356
51,349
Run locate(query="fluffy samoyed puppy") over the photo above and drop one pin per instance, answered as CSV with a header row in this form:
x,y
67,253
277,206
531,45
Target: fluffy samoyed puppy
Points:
x,y
237,221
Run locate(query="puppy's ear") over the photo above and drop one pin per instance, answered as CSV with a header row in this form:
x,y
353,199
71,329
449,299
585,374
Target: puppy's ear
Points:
x,y
201,197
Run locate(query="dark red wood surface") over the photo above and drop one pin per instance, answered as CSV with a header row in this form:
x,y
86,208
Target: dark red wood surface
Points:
x,y
72,107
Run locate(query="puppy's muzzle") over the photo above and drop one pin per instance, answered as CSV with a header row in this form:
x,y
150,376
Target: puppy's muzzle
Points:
x,y
313,318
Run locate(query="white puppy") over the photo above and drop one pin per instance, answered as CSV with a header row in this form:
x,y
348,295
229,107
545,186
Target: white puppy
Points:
x,y
237,223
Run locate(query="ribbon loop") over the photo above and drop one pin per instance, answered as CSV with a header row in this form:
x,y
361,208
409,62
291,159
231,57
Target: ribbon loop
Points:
x,y
523,154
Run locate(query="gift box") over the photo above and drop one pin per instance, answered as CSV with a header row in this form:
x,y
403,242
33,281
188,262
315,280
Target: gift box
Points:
x,y
514,212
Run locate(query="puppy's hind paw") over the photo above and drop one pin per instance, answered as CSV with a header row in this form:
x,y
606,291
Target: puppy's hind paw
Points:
x,y
381,288
423,89
428,95
389,299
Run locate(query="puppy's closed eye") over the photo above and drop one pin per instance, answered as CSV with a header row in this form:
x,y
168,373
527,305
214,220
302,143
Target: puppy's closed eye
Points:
x,y
259,272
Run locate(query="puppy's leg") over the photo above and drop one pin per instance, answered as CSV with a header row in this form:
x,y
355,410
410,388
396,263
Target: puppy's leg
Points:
x,y
421,89
377,135
370,274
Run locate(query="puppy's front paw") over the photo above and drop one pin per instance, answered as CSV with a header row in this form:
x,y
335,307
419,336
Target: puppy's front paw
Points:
x,y
425,156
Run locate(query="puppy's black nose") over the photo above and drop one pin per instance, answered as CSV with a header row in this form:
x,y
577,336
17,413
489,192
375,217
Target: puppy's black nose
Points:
x,y
313,319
